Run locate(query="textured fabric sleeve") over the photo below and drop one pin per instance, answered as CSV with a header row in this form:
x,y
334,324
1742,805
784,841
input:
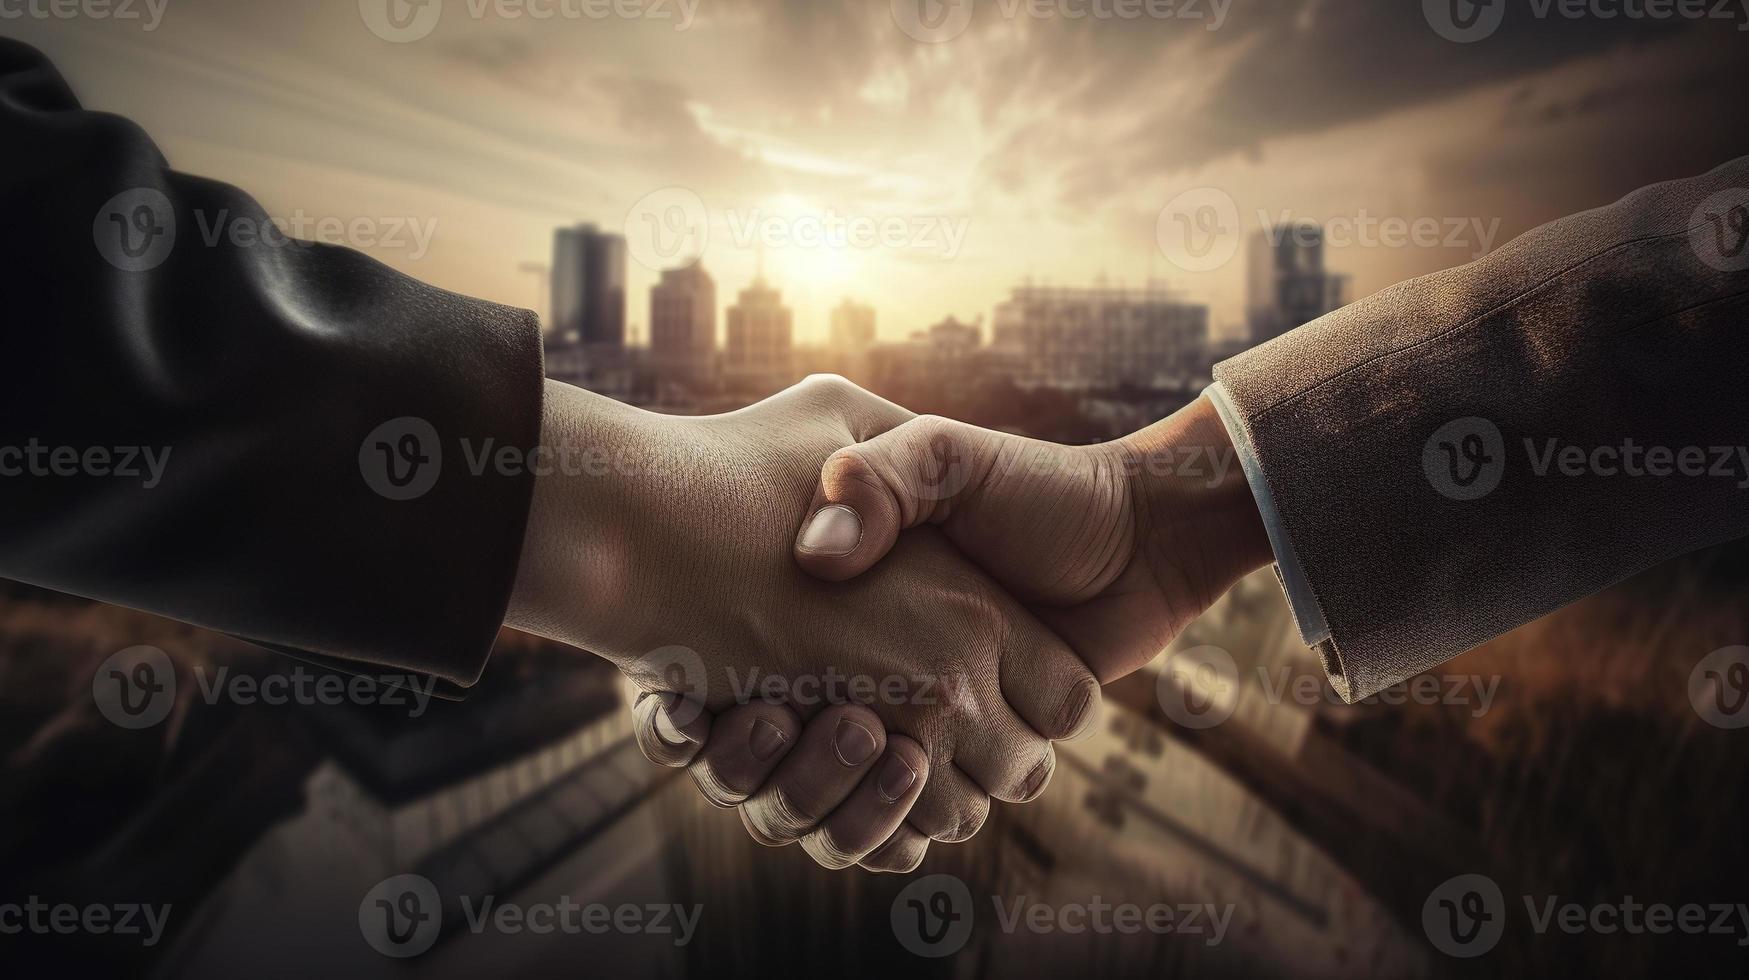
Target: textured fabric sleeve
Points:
x,y
1308,618
1462,453
272,438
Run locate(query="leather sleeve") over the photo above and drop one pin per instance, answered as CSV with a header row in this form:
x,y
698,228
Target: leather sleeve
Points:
x,y
1453,456
265,437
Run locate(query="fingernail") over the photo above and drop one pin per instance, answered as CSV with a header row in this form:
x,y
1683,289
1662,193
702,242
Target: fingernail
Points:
x,y
665,727
834,531
1074,714
1041,773
765,739
853,743
896,777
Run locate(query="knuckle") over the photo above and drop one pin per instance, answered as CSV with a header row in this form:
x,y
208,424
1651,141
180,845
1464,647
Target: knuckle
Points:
x,y
714,789
913,753
847,466
829,852
903,853
927,427
1033,783
855,713
971,819
1080,706
783,818
830,387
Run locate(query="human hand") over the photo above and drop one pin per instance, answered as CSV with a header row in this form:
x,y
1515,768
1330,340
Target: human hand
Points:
x,y
1116,547
743,758
666,537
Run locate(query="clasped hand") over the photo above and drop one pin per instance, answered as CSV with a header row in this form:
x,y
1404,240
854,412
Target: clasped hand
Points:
x,y
860,626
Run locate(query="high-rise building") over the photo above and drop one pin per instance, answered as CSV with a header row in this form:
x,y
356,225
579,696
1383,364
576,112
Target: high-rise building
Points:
x,y
760,330
589,288
853,326
953,340
1101,337
683,322
1285,281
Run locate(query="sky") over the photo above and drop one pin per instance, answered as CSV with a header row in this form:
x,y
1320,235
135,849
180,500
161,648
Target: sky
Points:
x,y
920,156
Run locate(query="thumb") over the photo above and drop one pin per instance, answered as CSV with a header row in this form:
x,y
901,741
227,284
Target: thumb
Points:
x,y
912,474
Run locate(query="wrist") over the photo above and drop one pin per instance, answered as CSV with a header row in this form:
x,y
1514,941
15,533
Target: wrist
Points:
x,y
1197,519
573,579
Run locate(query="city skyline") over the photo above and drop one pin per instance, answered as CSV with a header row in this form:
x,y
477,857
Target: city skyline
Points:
x,y
1023,147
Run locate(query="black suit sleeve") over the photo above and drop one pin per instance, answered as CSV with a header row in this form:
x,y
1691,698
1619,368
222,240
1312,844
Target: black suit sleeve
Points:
x,y
229,432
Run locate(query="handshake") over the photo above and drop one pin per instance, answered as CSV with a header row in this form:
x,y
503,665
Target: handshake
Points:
x,y
860,626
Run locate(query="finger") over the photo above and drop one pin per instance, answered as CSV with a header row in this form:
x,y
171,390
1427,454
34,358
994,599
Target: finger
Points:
x,y
830,396
836,749
869,492
747,742
1000,711
901,854
952,805
874,810
1044,681
662,741
1013,767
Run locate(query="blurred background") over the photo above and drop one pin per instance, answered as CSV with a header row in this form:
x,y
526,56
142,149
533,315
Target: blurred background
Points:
x,y
1047,217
